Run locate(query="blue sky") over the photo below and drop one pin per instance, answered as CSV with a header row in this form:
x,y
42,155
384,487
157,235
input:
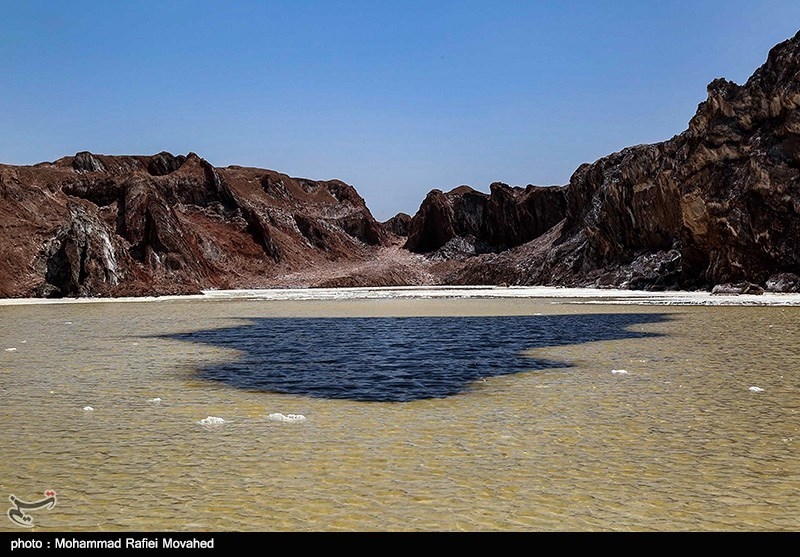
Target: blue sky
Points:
x,y
395,98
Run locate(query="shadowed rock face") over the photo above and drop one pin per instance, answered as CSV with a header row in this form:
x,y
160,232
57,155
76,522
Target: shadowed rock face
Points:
x,y
96,225
398,224
507,217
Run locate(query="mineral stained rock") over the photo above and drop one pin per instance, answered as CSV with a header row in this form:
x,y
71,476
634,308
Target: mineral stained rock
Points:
x,y
96,225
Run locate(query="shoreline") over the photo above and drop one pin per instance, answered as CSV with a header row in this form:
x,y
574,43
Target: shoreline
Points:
x,y
566,295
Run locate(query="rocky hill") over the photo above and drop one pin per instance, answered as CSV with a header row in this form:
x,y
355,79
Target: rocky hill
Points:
x,y
718,204
93,225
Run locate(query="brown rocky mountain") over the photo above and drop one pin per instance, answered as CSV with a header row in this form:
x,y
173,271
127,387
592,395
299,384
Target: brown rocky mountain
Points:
x,y
718,204
469,222
93,225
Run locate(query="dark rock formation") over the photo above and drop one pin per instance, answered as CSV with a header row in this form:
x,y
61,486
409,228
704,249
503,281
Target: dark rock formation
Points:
x,y
81,254
398,224
738,288
165,163
505,218
783,282
719,203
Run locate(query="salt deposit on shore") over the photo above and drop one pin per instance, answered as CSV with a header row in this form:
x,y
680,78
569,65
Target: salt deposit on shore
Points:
x,y
579,295
564,295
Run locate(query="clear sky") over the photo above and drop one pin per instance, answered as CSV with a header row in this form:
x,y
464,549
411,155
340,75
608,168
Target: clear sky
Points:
x,y
393,97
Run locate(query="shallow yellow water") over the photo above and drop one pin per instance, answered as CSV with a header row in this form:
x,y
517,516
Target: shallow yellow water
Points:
x,y
680,442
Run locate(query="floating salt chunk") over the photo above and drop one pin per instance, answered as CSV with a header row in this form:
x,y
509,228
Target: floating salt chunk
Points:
x,y
619,371
756,389
211,420
88,408
154,400
11,349
278,417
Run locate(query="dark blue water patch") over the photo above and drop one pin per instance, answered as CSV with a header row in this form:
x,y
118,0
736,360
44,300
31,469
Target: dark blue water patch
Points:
x,y
397,358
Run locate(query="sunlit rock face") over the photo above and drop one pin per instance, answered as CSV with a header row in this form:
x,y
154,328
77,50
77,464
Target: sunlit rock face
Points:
x,y
97,225
719,203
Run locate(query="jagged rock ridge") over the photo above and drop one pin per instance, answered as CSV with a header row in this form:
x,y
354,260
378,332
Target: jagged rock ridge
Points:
x,y
95,225
717,205
480,223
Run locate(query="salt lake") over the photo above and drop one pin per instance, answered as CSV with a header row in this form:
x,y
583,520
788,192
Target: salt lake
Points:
x,y
472,409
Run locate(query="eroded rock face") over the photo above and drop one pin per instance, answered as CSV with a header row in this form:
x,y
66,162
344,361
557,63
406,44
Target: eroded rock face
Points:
x,y
81,255
736,289
505,218
783,282
398,224
97,225
717,204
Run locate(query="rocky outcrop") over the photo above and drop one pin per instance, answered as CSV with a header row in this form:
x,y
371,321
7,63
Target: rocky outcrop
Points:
x,y
736,289
97,225
719,203
398,224
715,206
480,223
81,254
783,282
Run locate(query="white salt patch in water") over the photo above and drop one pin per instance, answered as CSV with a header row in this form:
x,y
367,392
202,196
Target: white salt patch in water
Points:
x,y
211,420
619,371
278,417
756,389
88,408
